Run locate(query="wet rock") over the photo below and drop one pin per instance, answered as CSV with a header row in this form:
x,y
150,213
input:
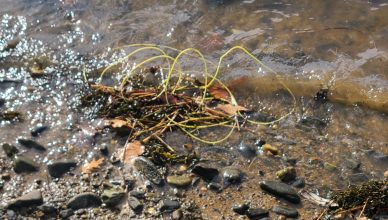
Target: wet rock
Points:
x,y
84,200
135,204
24,164
270,148
281,190
205,171
64,214
33,198
287,174
112,197
148,169
357,178
256,213
138,194
31,144
177,215
11,44
181,181
35,132
10,150
299,183
47,209
246,150
311,121
240,209
169,205
286,211
58,168
214,187
232,175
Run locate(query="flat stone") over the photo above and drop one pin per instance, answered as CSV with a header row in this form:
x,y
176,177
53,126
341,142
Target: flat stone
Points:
x,y
113,197
33,198
286,211
135,204
24,164
169,205
181,181
281,190
10,150
35,132
31,144
256,213
149,170
232,175
287,174
84,200
58,168
240,209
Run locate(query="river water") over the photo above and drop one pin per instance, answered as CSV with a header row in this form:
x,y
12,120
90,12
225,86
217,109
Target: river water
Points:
x,y
341,46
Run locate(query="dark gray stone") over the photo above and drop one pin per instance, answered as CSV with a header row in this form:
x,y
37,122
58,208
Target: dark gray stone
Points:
x,y
169,205
23,164
58,168
206,171
137,194
35,132
112,197
214,187
149,170
240,209
47,209
281,190
286,211
232,175
66,213
135,204
246,150
33,198
31,144
287,174
256,213
299,183
10,150
84,200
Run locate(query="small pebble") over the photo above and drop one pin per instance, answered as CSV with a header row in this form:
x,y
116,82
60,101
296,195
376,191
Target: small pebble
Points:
x,y
270,148
240,209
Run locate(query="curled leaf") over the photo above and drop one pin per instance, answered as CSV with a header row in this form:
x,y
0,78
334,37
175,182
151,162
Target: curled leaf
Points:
x,y
219,92
131,150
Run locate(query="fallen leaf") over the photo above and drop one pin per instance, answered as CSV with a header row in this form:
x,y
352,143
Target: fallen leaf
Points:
x,y
231,109
219,92
92,166
117,123
131,150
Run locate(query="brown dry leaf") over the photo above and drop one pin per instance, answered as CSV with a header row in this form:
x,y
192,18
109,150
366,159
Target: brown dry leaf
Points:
x,y
219,92
131,150
117,123
231,109
92,166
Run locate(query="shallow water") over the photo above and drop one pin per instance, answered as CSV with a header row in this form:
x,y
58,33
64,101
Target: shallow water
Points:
x,y
339,45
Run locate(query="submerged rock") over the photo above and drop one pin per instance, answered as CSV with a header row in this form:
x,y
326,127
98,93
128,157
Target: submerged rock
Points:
x,y
112,197
286,211
35,132
246,150
240,209
135,204
33,198
281,190
10,150
270,148
287,174
58,168
232,175
205,171
31,144
149,170
23,164
183,180
214,187
169,205
256,213
84,200
312,121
